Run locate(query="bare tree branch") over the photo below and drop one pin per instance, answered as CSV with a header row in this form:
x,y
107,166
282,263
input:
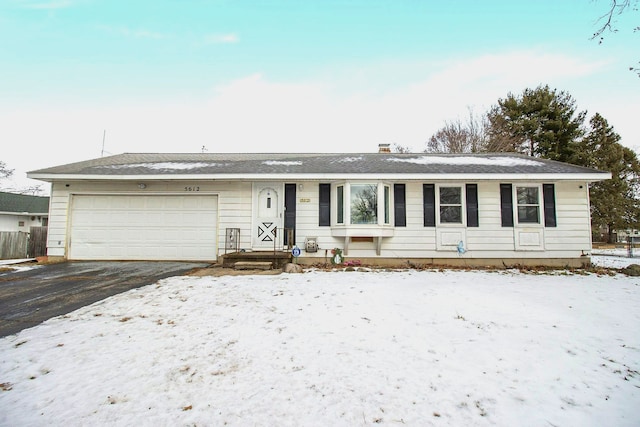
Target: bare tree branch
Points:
x,y
460,137
616,7
5,172
397,148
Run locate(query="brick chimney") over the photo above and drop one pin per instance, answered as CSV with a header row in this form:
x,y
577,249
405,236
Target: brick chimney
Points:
x,y
384,148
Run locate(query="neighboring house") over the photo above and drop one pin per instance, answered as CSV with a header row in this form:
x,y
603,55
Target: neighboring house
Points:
x,y
382,208
19,212
625,235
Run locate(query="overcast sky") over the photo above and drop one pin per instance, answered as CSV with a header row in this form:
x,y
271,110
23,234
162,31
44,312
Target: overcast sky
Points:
x,y
289,76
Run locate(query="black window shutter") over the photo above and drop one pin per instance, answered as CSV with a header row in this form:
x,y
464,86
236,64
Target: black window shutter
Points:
x,y
506,205
325,205
472,205
548,192
290,211
429,203
399,204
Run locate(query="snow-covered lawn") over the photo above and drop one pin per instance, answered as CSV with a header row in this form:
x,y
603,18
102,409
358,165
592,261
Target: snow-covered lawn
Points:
x,y
614,258
449,348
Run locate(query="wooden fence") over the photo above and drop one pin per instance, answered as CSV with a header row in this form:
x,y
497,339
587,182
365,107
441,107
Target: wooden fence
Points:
x,y
18,244
37,242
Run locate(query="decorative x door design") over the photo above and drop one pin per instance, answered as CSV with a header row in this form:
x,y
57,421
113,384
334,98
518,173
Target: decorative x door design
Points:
x,y
267,231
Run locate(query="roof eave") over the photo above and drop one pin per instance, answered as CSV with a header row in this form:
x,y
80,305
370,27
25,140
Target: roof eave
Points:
x,y
582,177
23,213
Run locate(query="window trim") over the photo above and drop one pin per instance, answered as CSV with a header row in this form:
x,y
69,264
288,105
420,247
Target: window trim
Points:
x,y
462,205
517,205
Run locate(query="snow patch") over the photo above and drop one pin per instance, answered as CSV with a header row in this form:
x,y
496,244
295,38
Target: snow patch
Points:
x,y
468,160
164,165
614,258
281,163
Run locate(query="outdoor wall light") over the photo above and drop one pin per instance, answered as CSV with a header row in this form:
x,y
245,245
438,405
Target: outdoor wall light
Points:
x,y
142,186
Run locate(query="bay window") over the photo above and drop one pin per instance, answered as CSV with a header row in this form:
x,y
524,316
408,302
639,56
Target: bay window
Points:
x,y
364,204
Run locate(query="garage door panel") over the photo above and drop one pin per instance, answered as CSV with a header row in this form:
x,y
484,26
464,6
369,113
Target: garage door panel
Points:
x,y
127,227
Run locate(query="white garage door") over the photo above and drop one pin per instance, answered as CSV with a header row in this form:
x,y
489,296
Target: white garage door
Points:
x,y
119,227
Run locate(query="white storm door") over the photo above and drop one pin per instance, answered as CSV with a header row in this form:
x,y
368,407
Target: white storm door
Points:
x,y
268,206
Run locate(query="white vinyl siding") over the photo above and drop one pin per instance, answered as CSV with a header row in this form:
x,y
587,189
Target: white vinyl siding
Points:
x,y
569,238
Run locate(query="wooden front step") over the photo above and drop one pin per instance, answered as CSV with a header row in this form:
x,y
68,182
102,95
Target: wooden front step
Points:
x,y
253,265
277,259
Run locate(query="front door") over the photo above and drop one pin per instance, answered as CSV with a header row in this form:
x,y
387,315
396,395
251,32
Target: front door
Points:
x,y
268,207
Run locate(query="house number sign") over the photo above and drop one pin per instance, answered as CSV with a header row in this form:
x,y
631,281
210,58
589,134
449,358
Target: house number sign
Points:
x,y
196,188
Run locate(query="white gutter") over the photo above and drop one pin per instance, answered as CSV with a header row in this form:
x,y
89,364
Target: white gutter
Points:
x,y
587,177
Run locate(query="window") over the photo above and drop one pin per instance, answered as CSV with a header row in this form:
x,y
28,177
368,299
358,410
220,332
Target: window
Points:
x,y
528,205
387,199
370,203
454,204
340,203
364,204
527,199
451,205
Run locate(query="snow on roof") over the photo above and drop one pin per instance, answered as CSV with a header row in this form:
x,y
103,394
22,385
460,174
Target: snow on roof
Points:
x,y
467,160
281,163
317,164
163,165
350,159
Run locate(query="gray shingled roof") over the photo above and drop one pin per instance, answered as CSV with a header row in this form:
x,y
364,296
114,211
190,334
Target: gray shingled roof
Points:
x,y
309,164
20,203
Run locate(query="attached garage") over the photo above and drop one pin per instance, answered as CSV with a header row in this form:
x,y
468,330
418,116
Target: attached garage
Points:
x,y
143,227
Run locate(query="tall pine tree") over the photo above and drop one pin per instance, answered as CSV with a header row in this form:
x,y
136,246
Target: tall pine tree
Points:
x,y
540,122
615,203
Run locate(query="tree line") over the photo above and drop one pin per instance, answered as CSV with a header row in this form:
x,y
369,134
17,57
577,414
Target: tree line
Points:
x,y
547,124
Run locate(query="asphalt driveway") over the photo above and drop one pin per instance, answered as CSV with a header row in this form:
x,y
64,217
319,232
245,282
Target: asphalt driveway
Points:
x,y
30,297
